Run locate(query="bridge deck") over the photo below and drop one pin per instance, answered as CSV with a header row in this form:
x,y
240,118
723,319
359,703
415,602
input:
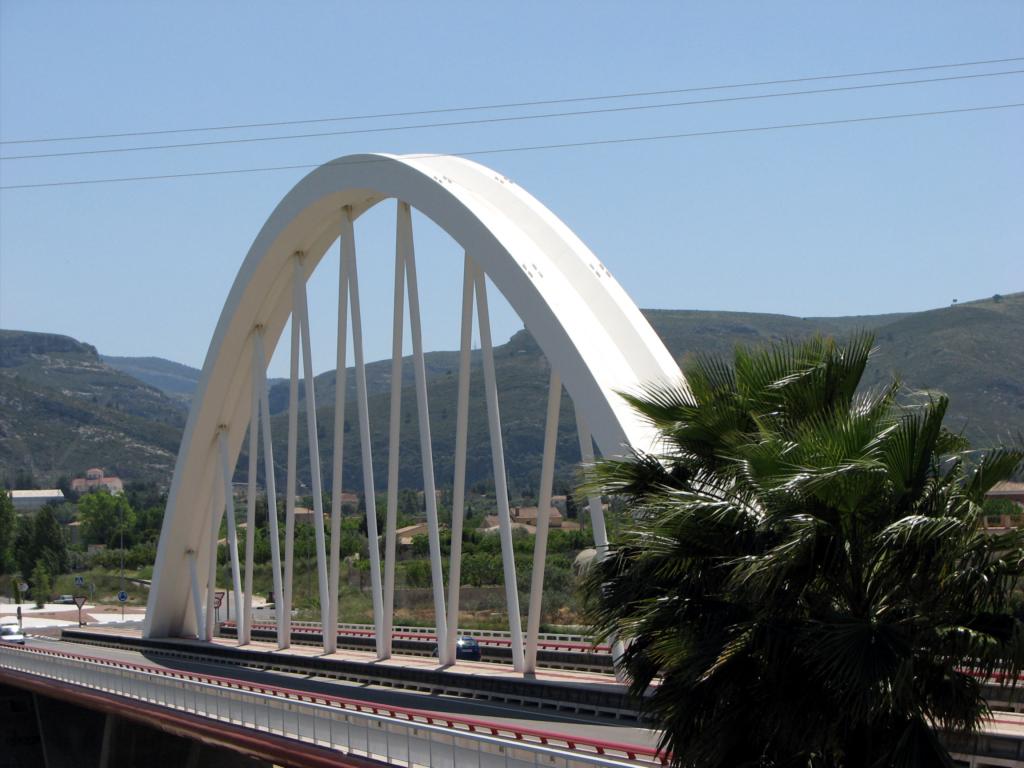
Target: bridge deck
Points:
x,y
397,661
516,714
1001,741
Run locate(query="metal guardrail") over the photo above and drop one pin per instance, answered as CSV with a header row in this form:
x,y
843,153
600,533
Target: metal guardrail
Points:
x,y
581,657
477,633
569,643
395,735
552,642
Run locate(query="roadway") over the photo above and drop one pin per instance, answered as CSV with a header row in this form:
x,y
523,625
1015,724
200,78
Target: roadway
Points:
x,y
511,715
551,653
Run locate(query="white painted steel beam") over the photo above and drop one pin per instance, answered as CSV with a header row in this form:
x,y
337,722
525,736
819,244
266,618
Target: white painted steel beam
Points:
x,y
594,501
394,432
229,507
540,544
270,480
461,439
313,444
340,383
245,614
211,571
508,563
349,246
298,284
197,600
423,412
597,523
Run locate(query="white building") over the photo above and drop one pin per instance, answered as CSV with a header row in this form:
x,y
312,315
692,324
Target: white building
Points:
x,y
26,501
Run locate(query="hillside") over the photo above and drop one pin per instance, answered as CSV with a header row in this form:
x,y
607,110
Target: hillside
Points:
x,y
63,410
971,351
174,379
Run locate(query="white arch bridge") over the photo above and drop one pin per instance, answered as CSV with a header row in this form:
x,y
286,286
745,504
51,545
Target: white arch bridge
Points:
x,y
594,337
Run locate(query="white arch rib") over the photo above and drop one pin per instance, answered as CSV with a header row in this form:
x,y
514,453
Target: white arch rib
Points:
x,y
581,318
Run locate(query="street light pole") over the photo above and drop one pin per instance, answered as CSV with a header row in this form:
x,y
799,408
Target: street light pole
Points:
x,y
122,559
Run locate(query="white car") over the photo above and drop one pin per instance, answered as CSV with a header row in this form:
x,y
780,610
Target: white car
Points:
x,y
11,633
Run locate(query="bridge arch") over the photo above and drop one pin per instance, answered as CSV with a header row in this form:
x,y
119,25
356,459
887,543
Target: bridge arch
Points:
x,y
595,338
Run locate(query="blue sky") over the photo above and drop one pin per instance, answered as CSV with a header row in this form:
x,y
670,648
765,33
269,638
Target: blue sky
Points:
x,y
849,219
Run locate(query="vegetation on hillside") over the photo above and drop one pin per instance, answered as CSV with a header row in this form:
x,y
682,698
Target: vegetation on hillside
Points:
x,y
807,573
62,409
482,574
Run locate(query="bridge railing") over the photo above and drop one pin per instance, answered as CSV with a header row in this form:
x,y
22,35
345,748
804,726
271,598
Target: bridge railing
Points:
x,y
394,735
571,643
265,615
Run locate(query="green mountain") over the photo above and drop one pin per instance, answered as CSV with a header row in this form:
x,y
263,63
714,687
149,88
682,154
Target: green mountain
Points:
x,y
62,410
971,351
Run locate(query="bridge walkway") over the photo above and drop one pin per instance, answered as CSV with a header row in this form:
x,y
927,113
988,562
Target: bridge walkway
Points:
x,y
262,720
507,713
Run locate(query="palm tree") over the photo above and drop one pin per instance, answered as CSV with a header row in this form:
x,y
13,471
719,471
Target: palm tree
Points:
x,y
805,579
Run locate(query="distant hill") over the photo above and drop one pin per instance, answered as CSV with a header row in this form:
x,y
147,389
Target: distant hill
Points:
x,y
174,379
63,410
971,351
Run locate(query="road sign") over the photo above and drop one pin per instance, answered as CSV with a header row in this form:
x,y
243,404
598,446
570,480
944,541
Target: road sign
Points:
x,y
80,601
79,581
22,587
122,596
218,598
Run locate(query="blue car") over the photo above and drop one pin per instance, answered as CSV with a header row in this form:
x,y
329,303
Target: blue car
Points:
x,y
467,648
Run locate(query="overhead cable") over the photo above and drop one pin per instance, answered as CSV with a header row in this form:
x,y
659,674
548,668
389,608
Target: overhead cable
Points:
x,y
513,105
506,150
510,118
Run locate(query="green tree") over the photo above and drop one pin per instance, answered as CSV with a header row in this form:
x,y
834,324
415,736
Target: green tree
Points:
x,y
420,545
41,583
48,541
417,573
103,515
23,480
806,570
24,547
8,525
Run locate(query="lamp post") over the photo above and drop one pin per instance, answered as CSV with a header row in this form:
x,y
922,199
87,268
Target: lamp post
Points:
x,y
122,559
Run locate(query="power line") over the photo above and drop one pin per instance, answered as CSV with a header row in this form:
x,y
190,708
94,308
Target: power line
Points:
x,y
509,105
511,118
508,150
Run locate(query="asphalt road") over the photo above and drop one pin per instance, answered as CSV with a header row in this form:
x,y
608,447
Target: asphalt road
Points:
x,y
604,729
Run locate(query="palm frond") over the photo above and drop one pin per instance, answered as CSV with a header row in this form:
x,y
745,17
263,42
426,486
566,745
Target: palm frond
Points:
x,y
994,467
